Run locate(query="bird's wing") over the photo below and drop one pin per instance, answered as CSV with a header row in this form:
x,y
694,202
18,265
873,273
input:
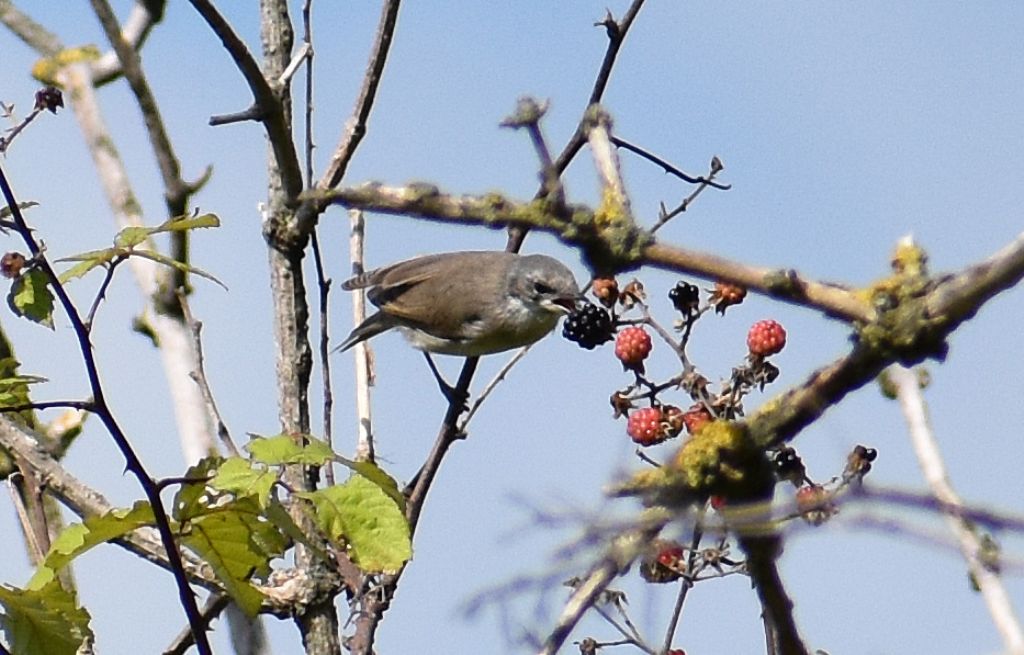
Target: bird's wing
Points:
x,y
412,290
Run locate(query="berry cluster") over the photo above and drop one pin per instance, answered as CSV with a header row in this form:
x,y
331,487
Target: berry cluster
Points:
x,y
589,326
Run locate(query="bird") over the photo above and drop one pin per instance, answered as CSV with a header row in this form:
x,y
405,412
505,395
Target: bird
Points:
x,y
467,303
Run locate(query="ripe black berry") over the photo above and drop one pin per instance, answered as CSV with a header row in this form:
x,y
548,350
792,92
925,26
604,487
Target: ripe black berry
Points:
x,y
788,465
685,298
589,326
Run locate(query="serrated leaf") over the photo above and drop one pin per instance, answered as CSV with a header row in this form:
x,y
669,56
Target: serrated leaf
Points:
x,y
5,211
285,449
80,537
46,620
367,520
237,542
188,222
239,477
131,236
174,263
376,475
14,389
30,297
20,381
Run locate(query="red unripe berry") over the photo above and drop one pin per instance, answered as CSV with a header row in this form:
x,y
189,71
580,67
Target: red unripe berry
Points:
x,y
632,347
766,338
676,651
696,417
645,426
718,502
814,503
670,556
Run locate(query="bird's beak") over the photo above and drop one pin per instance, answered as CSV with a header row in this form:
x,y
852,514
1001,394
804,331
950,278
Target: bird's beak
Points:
x,y
567,304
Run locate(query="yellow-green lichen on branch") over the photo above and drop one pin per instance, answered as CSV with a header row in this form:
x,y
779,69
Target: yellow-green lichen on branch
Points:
x,y
47,69
720,459
904,330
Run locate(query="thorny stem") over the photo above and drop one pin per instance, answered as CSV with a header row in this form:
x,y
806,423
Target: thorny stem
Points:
x,y
132,462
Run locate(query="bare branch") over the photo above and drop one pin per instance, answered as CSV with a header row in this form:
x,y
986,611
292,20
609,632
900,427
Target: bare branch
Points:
x,y
1000,606
269,104
355,127
363,353
616,35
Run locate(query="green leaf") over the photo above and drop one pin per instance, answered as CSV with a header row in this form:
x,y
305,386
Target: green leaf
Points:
x,y
195,497
132,236
80,537
14,389
237,542
239,477
174,263
30,297
5,211
86,262
188,222
368,520
376,475
46,620
285,449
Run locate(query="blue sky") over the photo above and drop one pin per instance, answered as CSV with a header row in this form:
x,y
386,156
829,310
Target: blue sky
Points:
x,y
842,127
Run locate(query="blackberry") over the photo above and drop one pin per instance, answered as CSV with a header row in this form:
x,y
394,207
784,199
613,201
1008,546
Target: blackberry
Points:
x,y
589,326
685,298
789,466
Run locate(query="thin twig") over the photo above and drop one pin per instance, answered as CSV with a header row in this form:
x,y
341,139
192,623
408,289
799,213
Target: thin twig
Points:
x,y
616,35
1000,606
666,216
355,127
323,282
495,381
669,168
686,583
199,375
215,604
102,292
267,107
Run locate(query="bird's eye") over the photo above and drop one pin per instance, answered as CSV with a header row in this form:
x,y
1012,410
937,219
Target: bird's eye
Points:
x,y
542,289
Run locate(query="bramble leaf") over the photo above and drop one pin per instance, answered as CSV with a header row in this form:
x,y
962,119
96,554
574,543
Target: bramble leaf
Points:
x,y
238,543
80,537
30,297
239,477
46,620
360,514
285,449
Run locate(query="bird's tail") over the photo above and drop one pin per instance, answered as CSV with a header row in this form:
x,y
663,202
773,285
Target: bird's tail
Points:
x,y
371,327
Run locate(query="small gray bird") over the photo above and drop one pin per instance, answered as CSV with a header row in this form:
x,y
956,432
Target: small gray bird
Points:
x,y
466,303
